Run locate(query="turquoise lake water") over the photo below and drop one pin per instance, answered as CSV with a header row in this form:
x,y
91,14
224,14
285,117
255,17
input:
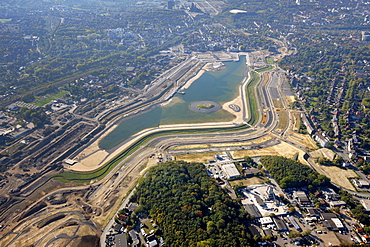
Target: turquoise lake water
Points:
x,y
220,86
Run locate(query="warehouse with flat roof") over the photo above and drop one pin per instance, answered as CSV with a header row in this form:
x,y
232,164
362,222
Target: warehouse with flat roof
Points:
x,y
121,240
230,171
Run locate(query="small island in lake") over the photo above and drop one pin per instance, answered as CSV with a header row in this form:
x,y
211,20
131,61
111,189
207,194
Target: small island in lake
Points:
x,y
205,106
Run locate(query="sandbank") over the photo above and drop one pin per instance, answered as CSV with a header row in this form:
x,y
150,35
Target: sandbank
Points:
x,y
238,115
193,79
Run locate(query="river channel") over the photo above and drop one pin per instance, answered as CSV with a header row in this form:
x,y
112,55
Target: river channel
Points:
x,y
219,86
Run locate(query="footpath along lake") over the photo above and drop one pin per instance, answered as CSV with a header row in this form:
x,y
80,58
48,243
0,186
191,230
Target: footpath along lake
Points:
x,y
219,86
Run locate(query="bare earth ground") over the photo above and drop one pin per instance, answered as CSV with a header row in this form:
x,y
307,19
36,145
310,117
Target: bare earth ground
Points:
x,y
339,176
323,153
90,161
282,149
198,157
37,233
257,141
92,155
34,233
248,181
306,140
290,99
331,238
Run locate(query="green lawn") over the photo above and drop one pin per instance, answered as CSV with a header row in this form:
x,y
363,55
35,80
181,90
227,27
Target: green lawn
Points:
x,y
252,100
47,100
265,69
269,60
5,20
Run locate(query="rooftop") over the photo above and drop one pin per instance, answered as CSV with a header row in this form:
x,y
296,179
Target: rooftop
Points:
x,y
230,170
121,240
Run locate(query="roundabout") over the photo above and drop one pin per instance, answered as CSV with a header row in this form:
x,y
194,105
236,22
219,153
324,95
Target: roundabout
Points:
x,y
205,106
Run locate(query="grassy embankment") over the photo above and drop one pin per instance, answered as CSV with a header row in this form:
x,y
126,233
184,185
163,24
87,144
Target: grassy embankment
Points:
x,y
269,60
252,98
265,69
283,120
86,177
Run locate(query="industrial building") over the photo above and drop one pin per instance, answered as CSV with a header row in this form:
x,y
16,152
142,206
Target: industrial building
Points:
x,y
121,240
230,171
281,226
302,198
261,200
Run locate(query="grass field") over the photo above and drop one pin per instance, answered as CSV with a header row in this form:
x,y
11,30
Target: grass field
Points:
x,y
209,145
306,140
197,157
252,98
339,176
298,121
277,103
281,149
47,100
267,77
283,120
269,60
265,69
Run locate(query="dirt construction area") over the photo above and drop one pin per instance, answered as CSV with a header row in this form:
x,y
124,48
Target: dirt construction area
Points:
x,y
282,149
72,218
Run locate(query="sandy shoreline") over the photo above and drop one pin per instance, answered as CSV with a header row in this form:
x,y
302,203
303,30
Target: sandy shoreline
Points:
x,y
193,79
93,157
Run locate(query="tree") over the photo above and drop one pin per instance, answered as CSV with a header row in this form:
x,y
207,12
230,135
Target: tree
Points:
x,y
189,207
28,98
204,243
211,227
294,234
306,233
291,210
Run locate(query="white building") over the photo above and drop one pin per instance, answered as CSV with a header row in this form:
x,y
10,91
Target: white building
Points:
x,y
230,171
266,221
337,223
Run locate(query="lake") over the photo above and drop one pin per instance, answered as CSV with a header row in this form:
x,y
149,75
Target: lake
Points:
x,y
220,86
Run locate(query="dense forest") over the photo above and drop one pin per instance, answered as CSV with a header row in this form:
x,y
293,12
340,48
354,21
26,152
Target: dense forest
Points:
x,y
190,208
289,173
